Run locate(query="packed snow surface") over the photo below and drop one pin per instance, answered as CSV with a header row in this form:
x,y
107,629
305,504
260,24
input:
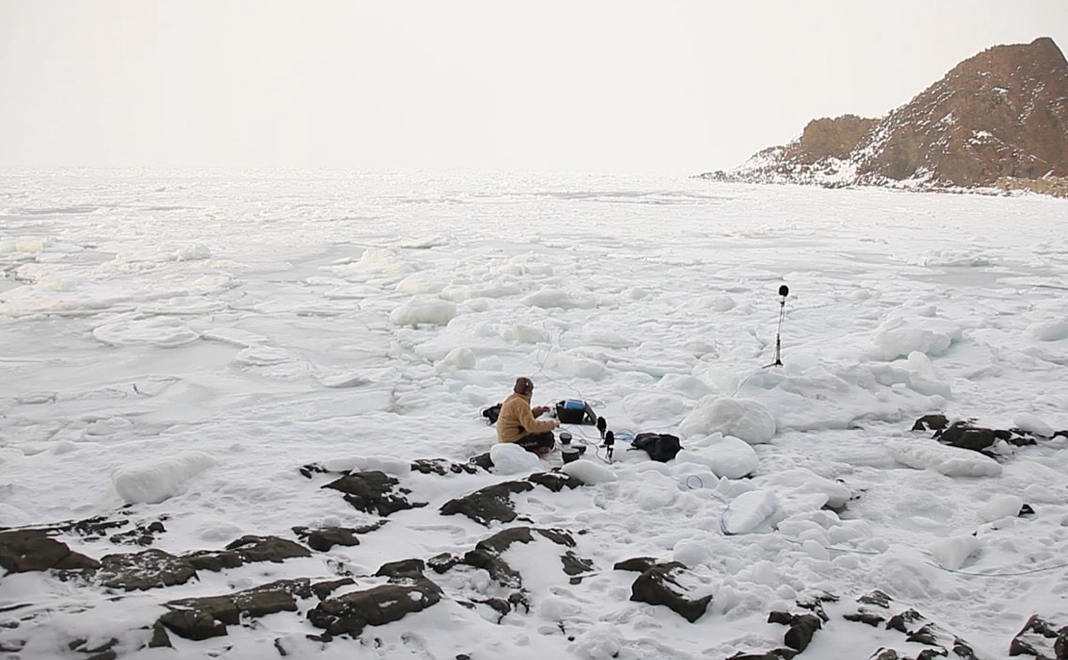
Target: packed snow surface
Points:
x,y
176,348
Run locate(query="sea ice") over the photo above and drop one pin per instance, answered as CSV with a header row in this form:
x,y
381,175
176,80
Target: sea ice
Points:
x,y
423,309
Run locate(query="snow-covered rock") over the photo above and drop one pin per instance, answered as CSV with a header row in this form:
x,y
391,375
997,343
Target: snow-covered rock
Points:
x,y
155,481
510,458
1001,506
950,461
953,552
588,472
1032,424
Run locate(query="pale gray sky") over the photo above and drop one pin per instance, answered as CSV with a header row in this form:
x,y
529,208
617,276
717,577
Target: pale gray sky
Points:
x,y
659,86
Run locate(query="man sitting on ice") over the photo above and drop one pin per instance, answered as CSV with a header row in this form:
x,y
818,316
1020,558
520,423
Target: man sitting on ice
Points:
x,y
517,422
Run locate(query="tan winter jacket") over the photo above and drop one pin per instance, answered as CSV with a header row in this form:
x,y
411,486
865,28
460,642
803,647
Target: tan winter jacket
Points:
x,y
517,420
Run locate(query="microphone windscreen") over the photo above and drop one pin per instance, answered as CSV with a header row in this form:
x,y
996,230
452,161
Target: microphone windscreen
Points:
x,y
784,290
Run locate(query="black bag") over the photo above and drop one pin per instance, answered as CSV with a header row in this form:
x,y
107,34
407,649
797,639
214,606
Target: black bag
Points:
x,y
574,411
492,413
660,446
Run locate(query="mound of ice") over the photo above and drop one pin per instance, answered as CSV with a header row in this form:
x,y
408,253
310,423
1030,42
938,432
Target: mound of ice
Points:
x,y
556,298
900,336
155,481
1030,423
27,245
596,336
373,261
692,552
522,265
458,359
1044,494
643,406
588,472
383,259
803,481
957,259
464,292
748,511
816,395
688,386
13,517
434,311
1048,330
525,334
574,365
954,551
510,458
188,305
417,283
234,337
718,303
161,331
1001,506
262,356
742,418
193,253
387,464
213,283
728,457
950,461
555,608
603,641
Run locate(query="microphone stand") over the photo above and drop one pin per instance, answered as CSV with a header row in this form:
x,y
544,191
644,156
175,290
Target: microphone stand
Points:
x,y
783,292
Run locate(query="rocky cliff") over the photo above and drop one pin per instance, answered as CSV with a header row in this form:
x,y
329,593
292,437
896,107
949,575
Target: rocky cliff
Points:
x,y
996,120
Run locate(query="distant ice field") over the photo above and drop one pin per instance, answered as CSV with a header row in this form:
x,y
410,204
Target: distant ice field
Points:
x,y
210,294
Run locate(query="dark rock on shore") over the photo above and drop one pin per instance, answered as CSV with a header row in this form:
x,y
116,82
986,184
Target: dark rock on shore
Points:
x,y
34,550
494,503
324,538
374,491
409,591
1041,639
489,503
658,586
966,435
143,570
201,618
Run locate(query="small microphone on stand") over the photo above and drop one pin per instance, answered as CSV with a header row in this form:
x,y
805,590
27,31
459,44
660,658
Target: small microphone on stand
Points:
x,y
609,443
783,292
602,425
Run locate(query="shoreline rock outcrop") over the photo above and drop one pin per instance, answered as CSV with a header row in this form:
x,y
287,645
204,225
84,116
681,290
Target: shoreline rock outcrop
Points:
x,y
997,121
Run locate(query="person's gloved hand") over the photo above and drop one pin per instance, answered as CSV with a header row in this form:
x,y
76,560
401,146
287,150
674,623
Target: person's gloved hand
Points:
x,y
540,410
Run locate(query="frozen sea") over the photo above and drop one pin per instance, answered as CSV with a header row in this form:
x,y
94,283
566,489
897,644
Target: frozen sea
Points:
x,y
175,347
